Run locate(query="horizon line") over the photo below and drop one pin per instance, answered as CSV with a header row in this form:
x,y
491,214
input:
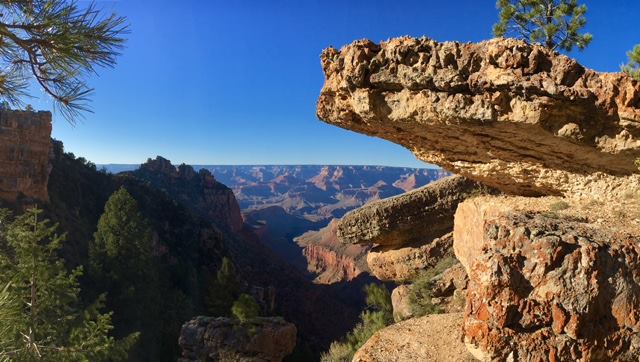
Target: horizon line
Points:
x,y
427,166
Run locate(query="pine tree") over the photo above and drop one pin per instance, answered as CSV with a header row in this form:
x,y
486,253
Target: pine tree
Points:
x,y
554,23
121,262
56,43
40,314
633,67
223,290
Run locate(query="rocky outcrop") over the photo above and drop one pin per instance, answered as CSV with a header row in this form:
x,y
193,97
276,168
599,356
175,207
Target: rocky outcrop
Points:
x,y
404,262
400,302
515,116
549,285
25,150
224,339
329,259
431,338
416,216
197,190
450,289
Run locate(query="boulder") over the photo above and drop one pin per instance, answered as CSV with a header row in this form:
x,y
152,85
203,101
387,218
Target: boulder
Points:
x,y
224,339
400,301
450,289
422,214
403,262
435,337
515,116
549,285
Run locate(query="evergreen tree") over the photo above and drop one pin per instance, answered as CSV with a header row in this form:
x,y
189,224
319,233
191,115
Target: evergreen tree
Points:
x,y
554,23
40,314
57,43
121,262
223,290
633,67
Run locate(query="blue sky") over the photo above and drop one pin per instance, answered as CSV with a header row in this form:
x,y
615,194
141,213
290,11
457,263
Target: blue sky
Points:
x,y
236,82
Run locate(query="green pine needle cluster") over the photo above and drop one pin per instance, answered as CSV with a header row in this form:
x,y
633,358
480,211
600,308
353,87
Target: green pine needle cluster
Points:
x,y
245,308
57,43
556,24
633,67
41,318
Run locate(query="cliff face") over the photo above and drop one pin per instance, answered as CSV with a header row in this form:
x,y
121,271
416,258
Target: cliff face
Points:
x,y
331,260
549,286
25,148
549,278
198,190
515,116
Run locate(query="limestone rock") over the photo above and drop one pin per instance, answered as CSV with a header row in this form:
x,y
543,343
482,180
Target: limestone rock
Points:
x,y
548,285
422,214
400,301
224,339
514,116
404,262
435,338
25,149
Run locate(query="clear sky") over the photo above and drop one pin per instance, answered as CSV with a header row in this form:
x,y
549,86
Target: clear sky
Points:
x,y
236,82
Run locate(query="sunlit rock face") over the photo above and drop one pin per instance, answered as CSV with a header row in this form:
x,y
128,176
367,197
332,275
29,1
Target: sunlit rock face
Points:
x,y
514,116
25,149
548,286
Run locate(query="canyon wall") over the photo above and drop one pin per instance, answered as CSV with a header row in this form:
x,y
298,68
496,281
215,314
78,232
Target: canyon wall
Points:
x,y
25,148
198,190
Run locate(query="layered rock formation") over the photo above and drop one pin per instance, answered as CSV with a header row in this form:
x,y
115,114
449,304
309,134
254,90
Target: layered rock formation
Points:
x,y
25,149
514,116
318,192
404,262
431,338
409,229
425,213
329,259
198,190
224,339
548,286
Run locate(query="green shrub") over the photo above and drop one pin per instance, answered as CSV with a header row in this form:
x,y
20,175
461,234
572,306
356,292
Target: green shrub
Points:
x,y
633,69
245,308
421,292
338,352
379,314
